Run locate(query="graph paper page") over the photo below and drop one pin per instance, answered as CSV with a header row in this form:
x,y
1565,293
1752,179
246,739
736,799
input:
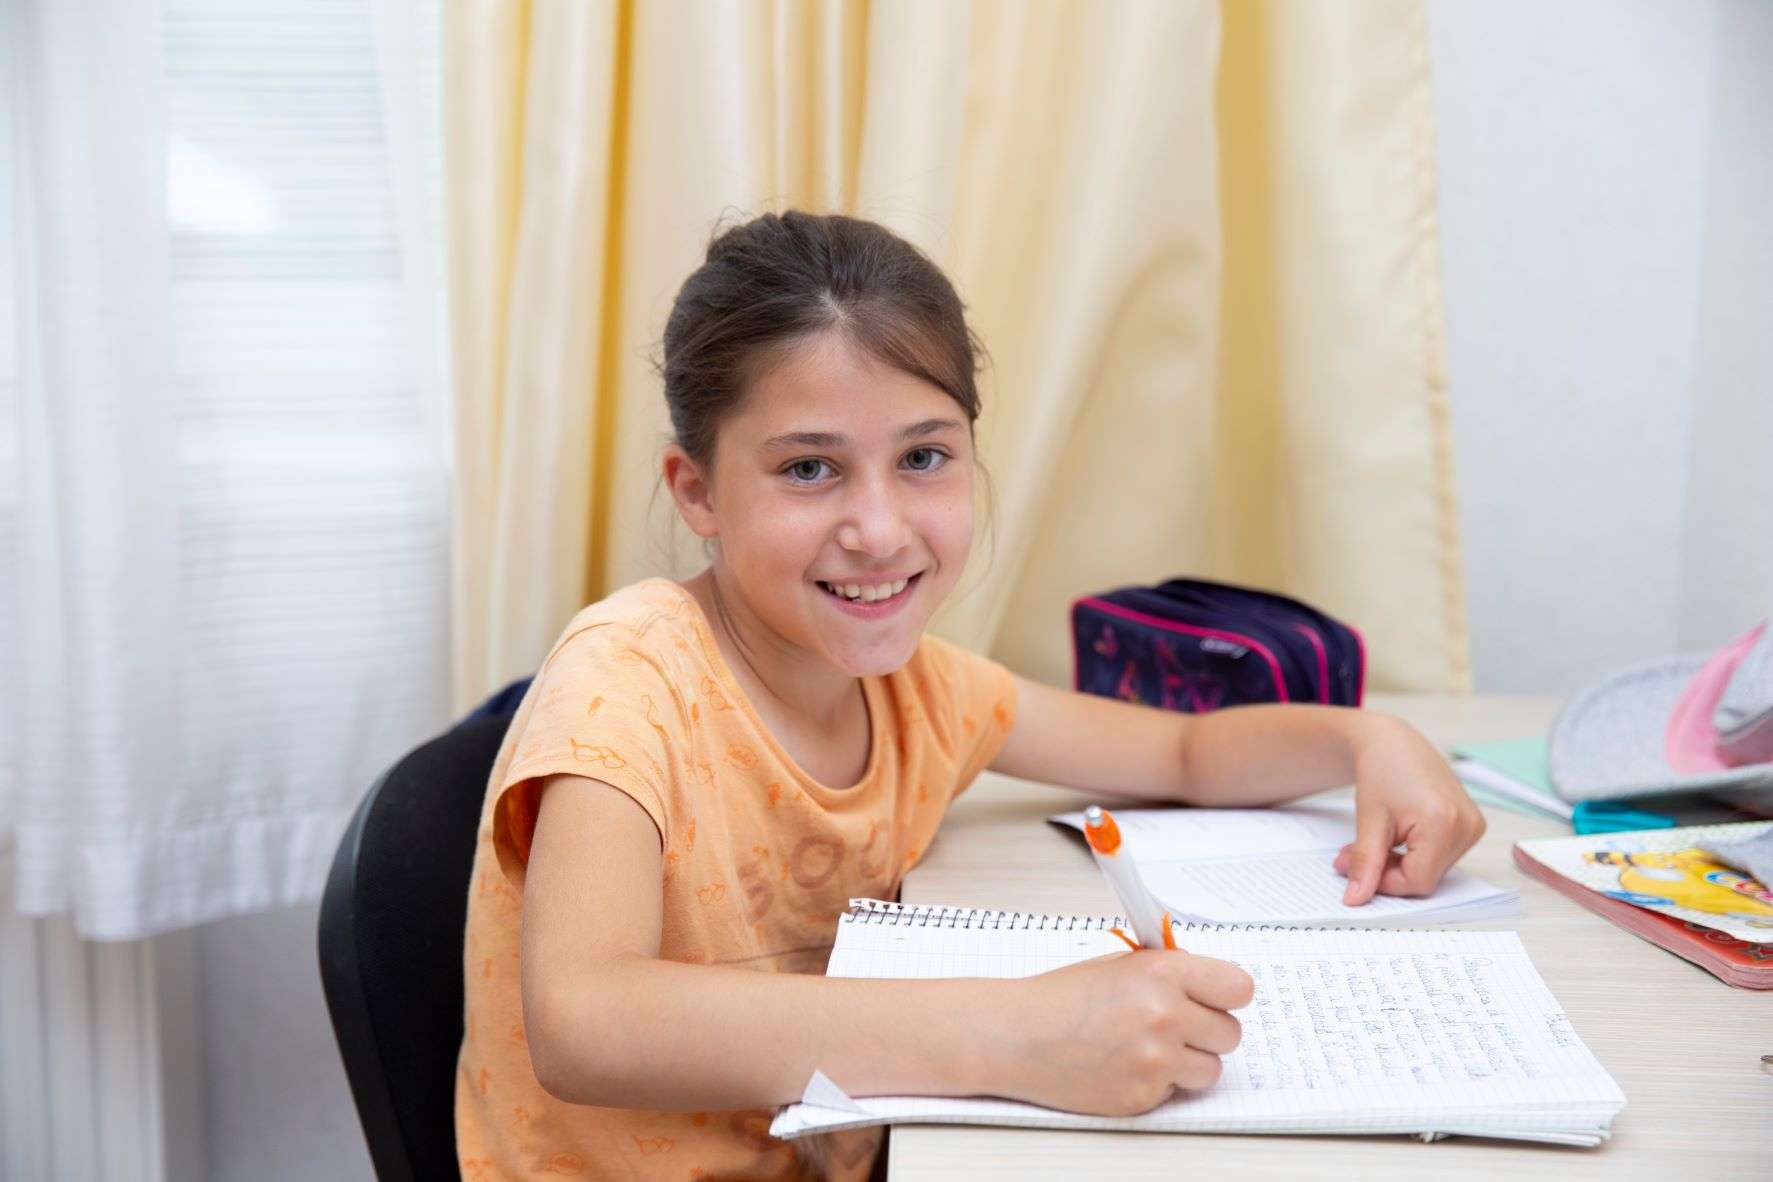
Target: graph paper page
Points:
x,y
1349,1030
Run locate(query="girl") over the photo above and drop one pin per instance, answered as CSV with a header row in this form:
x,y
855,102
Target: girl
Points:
x,y
703,774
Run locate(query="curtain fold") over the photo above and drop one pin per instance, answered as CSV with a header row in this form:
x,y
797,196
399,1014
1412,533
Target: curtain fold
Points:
x,y
1199,246
222,472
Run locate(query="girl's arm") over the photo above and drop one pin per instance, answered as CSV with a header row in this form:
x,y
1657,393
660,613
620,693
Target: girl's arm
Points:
x,y
609,1023
1259,755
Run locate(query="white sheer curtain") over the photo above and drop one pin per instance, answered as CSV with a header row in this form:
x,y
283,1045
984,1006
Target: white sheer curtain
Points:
x,y
223,484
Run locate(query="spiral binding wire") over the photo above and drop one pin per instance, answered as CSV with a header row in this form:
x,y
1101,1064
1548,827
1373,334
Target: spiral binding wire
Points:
x,y
929,915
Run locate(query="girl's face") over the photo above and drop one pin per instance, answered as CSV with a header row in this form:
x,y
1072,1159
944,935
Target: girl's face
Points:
x,y
841,471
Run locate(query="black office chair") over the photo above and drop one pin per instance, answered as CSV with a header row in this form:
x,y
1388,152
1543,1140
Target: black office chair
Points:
x,y
391,930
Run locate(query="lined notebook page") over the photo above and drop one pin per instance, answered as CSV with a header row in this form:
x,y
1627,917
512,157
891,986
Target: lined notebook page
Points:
x,y
1350,1031
1276,865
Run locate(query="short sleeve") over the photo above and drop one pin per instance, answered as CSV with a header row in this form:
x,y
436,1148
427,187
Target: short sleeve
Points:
x,y
980,697
600,708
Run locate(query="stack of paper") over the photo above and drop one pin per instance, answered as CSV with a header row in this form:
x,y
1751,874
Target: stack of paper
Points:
x,y
1512,773
1276,866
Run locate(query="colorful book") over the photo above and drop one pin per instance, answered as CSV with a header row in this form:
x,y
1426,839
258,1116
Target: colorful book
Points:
x,y
1665,887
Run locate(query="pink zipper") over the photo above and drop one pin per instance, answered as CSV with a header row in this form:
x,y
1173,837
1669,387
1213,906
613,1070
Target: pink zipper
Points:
x,y
1323,661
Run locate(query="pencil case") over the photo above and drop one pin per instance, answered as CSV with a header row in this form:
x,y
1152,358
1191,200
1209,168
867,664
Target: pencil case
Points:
x,y
1195,646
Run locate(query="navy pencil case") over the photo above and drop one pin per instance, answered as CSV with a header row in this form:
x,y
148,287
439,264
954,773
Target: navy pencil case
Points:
x,y
1195,646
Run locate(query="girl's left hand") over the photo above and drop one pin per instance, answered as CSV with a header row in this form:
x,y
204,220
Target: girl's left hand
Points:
x,y
1404,792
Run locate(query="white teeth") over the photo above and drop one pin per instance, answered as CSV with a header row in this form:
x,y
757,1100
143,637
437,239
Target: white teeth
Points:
x,y
868,594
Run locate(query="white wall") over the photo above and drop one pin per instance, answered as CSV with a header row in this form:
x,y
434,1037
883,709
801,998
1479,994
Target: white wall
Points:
x,y
1727,555
277,1106
1605,173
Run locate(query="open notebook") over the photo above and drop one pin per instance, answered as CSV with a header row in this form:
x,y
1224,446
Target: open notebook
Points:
x,y
1351,1031
1276,865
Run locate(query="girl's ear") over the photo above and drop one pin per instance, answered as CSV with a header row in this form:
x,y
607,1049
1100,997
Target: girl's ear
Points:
x,y
690,488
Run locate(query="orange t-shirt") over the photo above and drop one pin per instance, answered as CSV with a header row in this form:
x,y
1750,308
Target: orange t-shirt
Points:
x,y
760,860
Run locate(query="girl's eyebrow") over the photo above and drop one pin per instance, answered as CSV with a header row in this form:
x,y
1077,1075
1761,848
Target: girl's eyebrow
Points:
x,y
833,439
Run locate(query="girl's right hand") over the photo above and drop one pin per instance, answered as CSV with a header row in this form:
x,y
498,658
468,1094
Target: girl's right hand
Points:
x,y
1116,1035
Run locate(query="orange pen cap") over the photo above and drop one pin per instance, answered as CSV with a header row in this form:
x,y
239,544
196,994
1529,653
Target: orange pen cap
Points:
x,y
1101,831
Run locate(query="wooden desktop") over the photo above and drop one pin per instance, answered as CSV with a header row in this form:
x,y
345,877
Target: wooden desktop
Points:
x,y
1684,1046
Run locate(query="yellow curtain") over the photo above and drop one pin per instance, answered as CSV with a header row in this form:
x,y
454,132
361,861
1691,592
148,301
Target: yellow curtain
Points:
x,y
1198,243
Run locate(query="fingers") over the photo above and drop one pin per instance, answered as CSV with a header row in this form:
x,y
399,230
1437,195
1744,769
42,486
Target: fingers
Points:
x,y
1214,1031
1368,855
1217,983
1197,1069
1437,839
1421,867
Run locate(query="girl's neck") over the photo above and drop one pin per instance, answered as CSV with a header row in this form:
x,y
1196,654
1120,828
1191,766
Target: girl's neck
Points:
x,y
778,676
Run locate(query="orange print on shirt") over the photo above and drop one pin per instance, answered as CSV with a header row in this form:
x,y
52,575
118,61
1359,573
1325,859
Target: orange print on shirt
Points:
x,y
474,1168
712,692
754,1127
699,1119
714,892
741,756
598,754
1001,714
775,795
875,867
567,1165
484,1078
517,1036
593,706
689,837
816,859
969,723
520,1117
651,1145
760,893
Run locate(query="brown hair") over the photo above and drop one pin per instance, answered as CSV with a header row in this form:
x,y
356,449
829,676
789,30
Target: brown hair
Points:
x,y
771,282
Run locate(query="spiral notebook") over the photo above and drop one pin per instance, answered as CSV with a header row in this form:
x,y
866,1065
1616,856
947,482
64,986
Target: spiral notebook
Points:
x,y
1357,1031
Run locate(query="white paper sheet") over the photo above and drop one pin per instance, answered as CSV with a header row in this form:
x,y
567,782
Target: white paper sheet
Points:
x,y
1277,866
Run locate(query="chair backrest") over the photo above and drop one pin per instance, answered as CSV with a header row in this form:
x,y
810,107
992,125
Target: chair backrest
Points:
x,y
391,929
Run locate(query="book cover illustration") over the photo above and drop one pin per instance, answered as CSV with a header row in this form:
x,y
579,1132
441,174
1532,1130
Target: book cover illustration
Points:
x,y
1670,872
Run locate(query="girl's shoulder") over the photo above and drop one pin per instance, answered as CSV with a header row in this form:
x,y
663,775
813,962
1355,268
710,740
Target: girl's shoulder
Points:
x,y
652,618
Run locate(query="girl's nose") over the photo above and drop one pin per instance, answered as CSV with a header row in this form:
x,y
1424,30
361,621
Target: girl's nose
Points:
x,y
874,523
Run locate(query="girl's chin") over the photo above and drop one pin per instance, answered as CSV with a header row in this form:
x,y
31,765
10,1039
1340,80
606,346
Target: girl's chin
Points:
x,y
876,660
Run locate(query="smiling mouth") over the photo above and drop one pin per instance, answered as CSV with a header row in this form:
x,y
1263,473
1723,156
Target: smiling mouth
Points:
x,y
866,594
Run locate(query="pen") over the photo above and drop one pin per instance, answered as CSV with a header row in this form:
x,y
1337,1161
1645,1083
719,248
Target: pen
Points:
x,y
1150,922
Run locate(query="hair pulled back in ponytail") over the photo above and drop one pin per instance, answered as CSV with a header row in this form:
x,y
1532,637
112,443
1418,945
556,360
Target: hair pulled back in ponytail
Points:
x,y
770,283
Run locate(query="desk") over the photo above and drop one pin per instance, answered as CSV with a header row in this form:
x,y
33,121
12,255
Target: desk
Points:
x,y
1684,1046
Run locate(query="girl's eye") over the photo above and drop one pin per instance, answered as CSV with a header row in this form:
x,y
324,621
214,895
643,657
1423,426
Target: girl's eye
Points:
x,y
805,471
934,458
